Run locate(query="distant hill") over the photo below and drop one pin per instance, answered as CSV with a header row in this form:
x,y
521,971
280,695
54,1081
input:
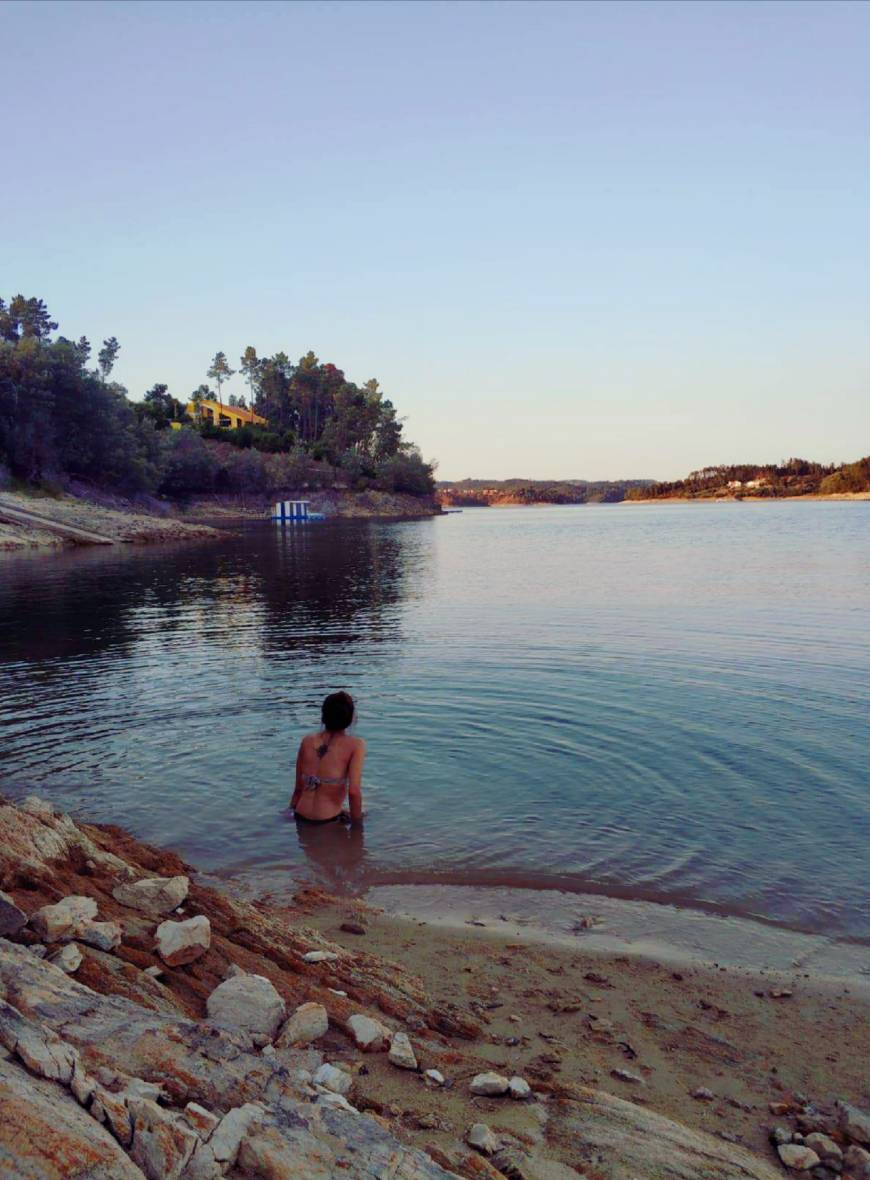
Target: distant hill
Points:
x,y
794,477
484,493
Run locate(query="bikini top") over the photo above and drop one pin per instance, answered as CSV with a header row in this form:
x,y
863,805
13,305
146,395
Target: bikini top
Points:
x,y
310,782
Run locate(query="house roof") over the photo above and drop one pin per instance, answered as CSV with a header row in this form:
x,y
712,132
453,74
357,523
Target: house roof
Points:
x,y
224,408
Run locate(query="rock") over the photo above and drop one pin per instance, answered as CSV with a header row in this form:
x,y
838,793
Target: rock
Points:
x,y
233,970
854,1122
780,1135
353,928
162,1143
825,1148
333,1079
370,1035
319,957
856,1162
519,1088
434,1077
155,972
625,1075
489,1083
249,1002
232,1129
111,1110
67,957
105,936
82,1084
307,1023
39,808
797,1157
401,1053
64,918
153,895
183,942
200,1119
41,1049
702,1094
481,1138
330,1098
45,1134
12,919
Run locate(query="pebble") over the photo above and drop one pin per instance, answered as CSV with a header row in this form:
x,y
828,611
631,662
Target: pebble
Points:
x,y
249,1002
335,1080
64,918
105,936
155,972
482,1139
183,942
353,928
153,895
319,957
519,1088
625,1075
401,1053
489,1084
703,1094
854,1122
824,1147
797,1157
434,1076
370,1035
68,958
856,1162
307,1023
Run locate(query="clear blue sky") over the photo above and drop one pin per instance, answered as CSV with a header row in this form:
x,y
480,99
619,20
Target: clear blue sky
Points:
x,y
590,240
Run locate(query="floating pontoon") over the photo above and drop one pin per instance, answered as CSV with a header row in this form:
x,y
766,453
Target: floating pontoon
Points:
x,y
295,512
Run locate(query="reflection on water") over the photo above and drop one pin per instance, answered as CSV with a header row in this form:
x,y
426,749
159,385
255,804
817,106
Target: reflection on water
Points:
x,y
335,853
662,701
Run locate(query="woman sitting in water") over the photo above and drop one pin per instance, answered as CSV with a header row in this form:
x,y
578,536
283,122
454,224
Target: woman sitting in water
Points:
x,y
329,767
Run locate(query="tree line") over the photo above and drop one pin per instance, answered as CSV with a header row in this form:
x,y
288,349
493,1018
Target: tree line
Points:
x,y
62,417
792,477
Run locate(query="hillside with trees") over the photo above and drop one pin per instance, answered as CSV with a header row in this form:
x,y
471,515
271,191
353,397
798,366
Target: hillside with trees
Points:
x,y
63,418
794,477
485,493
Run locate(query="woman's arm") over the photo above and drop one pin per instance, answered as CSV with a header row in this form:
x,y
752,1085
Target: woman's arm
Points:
x,y
354,775
297,790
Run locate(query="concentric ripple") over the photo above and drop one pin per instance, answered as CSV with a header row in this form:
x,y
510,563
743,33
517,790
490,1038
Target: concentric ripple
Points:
x,y
668,702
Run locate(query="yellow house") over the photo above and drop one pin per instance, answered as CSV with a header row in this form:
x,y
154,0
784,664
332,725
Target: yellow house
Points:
x,y
220,414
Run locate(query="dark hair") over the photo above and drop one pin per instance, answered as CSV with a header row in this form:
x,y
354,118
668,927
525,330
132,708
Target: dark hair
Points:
x,y
337,711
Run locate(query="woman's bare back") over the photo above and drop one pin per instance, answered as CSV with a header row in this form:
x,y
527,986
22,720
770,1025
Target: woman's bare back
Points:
x,y
328,771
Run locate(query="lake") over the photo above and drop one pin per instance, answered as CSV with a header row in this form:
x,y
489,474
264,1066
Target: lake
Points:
x,y
664,701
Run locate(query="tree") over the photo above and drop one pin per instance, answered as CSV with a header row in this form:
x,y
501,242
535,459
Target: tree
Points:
x,y
25,319
220,372
107,356
250,367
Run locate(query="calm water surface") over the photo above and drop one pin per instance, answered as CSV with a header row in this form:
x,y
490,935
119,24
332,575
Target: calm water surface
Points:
x,y
666,701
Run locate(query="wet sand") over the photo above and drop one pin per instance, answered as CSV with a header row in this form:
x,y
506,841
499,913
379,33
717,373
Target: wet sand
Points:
x,y
773,1015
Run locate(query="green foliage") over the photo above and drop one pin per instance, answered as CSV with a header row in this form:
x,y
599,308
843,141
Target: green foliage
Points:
x,y
793,477
58,418
853,477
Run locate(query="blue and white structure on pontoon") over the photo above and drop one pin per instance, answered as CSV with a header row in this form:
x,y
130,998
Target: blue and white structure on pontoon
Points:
x,y
294,512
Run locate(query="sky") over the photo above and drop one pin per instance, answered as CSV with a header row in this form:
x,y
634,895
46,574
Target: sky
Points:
x,y
570,240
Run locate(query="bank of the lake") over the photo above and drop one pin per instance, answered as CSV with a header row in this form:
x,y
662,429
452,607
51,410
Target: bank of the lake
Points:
x,y
623,1064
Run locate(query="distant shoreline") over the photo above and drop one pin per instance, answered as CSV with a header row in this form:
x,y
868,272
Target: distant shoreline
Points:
x,y
816,496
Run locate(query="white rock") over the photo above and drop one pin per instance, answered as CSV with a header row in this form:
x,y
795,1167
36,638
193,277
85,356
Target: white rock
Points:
x,y
329,1098
153,895
319,957
481,1137
68,958
854,1122
703,1094
489,1083
82,1084
435,1076
625,1075
137,1088
797,1157
249,1002
202,1120
231,1130
233,970
520,1088
155,972
182,942
267,1051
105,936
307,1023
12,917
64,918
162,1142
825,1148
370,1035
336,992
333,1079
401,1053
40,808
856,1162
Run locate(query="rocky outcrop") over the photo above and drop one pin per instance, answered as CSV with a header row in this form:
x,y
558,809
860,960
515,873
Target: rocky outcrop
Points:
x,y
153,895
